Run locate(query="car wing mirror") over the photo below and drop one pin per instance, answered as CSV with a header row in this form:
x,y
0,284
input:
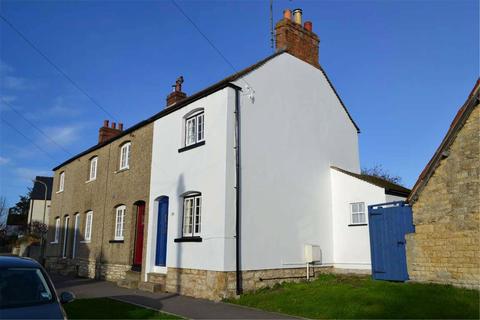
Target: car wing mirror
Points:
x,y
66,297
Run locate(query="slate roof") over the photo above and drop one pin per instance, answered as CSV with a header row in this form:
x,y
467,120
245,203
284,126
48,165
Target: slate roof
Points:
x,y
463,113
390,187
226,82
38,191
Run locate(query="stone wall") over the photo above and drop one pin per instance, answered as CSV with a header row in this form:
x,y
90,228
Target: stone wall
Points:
x,y
217,285
87,268
445,247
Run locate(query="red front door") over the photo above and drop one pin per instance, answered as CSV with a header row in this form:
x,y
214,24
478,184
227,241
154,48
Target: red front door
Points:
x,y
137,255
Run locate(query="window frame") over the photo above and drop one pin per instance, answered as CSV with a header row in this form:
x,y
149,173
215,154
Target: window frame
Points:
x,y
93,160
120,212
57,231
358,212
198,132
195,215
124,165
61,182
87,233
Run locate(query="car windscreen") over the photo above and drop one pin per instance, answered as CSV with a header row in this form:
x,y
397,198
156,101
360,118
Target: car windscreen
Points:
x,y
21,287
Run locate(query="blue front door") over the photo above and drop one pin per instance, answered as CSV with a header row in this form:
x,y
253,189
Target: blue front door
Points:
x,y
162,225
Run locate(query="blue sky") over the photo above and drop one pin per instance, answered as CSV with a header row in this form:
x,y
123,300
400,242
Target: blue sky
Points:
x,y
403,68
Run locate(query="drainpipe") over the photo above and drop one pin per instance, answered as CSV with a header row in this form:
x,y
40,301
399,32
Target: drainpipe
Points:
x,y
237,194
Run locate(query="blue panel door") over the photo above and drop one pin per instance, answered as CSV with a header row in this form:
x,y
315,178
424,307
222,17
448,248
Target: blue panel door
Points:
x,y
162,227
388,224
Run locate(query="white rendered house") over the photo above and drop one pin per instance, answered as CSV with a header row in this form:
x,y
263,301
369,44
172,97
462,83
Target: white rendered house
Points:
x,y
242,178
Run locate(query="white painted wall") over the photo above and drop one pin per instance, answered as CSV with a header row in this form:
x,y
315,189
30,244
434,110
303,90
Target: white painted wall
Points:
x,y
202,169
352,243
36,209
291,134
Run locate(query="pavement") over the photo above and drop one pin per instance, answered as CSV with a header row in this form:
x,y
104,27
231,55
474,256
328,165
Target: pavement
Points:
x,y
183,306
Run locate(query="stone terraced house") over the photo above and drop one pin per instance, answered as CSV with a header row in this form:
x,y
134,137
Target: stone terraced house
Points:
x,y
445,247
249,182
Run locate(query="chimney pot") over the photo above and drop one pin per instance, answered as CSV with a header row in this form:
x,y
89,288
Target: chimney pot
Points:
x,y
308,26
114,125
297,16
105,123
120,126
287,14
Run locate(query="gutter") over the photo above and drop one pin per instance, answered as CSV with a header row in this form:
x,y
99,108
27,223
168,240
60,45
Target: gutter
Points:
x,y
238,273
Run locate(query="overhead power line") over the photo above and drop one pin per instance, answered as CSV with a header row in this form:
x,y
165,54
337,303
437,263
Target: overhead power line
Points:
x,y
56,67
208,40
27,138
36,127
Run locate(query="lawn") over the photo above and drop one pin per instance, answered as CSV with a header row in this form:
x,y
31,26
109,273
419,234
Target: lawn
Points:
x,y
104,308
350,297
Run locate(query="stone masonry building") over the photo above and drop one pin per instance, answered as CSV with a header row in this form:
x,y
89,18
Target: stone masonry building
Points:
x,y
99,199
445,247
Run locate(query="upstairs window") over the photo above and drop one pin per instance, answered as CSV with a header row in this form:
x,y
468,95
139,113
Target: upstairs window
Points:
x,y
192,212
119,222
93,169
88,226
125,156
194,129
358,213
61,181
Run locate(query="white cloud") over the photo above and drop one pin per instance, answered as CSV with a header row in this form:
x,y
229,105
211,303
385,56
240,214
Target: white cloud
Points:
x,y
29,173
63,108
10,81
63,135
4,160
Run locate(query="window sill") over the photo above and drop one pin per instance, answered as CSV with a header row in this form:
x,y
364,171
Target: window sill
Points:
x,y
188,239
54,242
88,181
59,191
358,224
85,241
122,170
116,241
192,146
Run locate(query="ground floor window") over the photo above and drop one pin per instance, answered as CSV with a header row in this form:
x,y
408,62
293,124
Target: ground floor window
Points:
x,y
358,213
119,222
192,212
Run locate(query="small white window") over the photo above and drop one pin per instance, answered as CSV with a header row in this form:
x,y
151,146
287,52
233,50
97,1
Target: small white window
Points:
x,y
192,212
88,226
93,169
57,230
125,156
358,213
61,181
119,222
194,129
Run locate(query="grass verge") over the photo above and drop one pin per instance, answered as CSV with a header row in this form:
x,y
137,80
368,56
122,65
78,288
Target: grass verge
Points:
x,y
352,297
105,308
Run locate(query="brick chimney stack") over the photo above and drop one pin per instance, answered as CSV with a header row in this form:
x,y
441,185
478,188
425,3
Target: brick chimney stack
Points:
x,y
106,133
299,41
177,93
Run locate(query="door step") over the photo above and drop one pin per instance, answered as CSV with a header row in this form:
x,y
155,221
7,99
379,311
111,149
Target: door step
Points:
x,y
132,275
150,287
129,284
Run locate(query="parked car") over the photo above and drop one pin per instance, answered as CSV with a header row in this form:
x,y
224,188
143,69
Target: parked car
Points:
x,y
27,292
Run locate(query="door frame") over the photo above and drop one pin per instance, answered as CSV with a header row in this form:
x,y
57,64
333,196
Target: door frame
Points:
x,y
66,222
75,234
